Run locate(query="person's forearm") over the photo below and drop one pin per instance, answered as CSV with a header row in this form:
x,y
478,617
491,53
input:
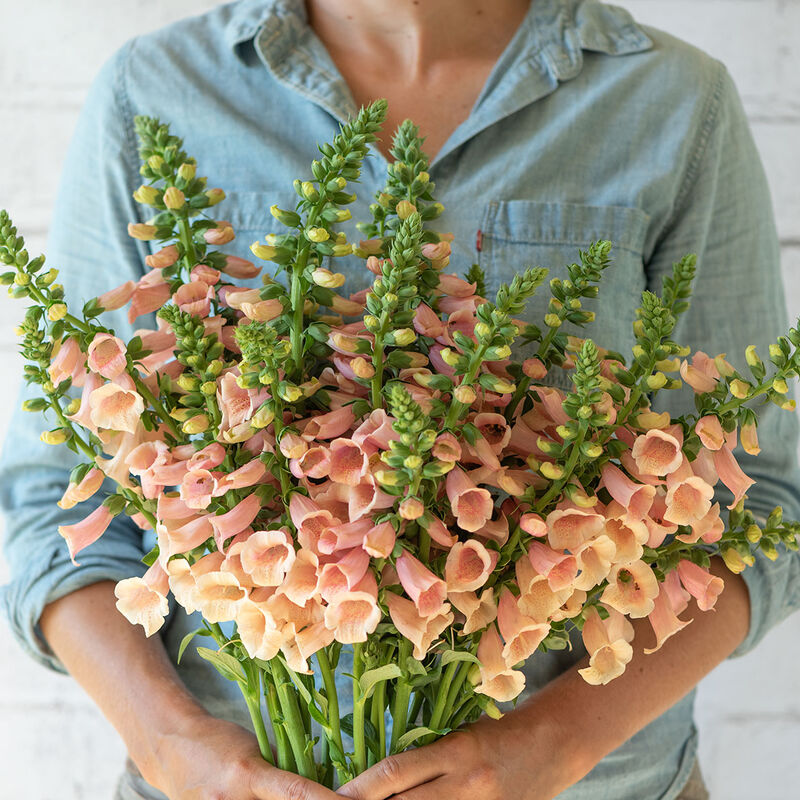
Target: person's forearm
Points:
x,y
591,721
127,675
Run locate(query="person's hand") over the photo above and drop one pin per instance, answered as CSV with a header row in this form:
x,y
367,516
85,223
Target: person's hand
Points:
x,y
491,760
210,759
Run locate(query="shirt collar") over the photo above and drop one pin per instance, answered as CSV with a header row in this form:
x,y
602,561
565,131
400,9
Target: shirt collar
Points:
x,y
546,50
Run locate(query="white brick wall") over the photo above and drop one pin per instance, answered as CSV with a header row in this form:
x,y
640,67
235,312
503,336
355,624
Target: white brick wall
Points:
x,y
53,744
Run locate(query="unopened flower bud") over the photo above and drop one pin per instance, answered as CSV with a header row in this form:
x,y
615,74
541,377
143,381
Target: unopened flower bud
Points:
x,y
196,424
733,561
187,382
174,198
362,368
155,162
371,322
263,417
534,369
327,279
638,329
142,232
411,508
449,356
551,471
387,477
498,353
753,534
57,436
404,337
263,251
739,389
56,312
668,365
22,279
309,191
552,320
657,381
214,196
465,394
73,406
502,386
779,385
317,235
724,368
49,277
146,195
289,392
209,388
341,250
187,171
405,209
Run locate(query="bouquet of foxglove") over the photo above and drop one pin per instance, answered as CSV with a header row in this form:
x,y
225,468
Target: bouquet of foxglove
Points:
x,y
374,471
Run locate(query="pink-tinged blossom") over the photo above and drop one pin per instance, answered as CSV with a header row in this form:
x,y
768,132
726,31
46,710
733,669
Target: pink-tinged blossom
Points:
x,y
426,590
664,619
240,267
421,631
608,644
697,378
636,498
310,520
538,600
688,500
165,257
375,432
302,580
469,565
631,589
534,369
379,540
328,426
709,528
235,296
69,362
558,567
354,615
143,601
438,531
552,401
471,505
495,530
292,445
219,235
533,524
181,538
427,322
194,298
594,562
151,292
348,463
709,429
314,463
569,528
522,635
343,574
87,531
117,297
210,456
197,488
248,474
235,403
447,448
78,492
218,596
344,537
263,310
267,556
454,286
629,536
498,680
411,508
478,612
700,584
731,474
657,453
257,630
115,408
206,274
237,519
143,460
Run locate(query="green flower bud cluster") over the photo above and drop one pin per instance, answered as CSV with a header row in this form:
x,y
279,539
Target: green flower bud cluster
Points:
x,y
261,348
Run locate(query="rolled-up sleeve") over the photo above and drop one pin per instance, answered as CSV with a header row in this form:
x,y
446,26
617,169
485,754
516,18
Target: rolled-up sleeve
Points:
x,y
723,213
88,244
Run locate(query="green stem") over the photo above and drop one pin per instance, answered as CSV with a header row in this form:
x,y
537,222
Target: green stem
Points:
x,y
416,707
359,742
378,706
456,408
76,437
252,696
187,240
557,486
402,693
463,712
285,760
293,720
162,412
331,695
441,696
377,378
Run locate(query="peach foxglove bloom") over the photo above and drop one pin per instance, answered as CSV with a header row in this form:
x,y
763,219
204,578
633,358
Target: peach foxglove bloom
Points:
x,y
469,565
379,540
240,267
594,562
664,619
210,456
354,615
498,681
569,528
632,589
310,520
342,575
235,403
118,297
344,537
348,462
314,463
709,429
257,630
688,500
218,596
194,298
267,556
447,448
299,645
78,492
69,362
302,580
657,453
438,531
330,425
426,590
421,631
87,531
629,536
197,488
608,644
697,378
143,601
700,584
731,474
472,506
558,567
236,520
107,356
534,369
115,408
180,538
151,292
538,601
249,474
522,635
636,498
533,524
411,508
478,611
165,257
221,234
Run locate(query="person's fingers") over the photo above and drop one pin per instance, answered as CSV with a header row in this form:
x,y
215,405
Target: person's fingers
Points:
x,y
395,774
275,784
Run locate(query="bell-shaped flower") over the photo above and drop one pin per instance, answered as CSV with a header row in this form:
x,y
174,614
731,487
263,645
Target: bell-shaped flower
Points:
x,y
87,531
438,531
594,562
709,528
447,448
379,540
558,567
107,356
608,644
699,380
533,524
310,520
427,322
313,463
421,631
257,630
235,403
197,488
709,429
731,474
348,462
635,498
143,601
664,619
498,680
700,584
354,615
151,292
116,408
116,298
240,267
330,425
299,645
218,596
631,589
267,556
688,500
344,537
469,565
471,505
537,600
478,611
165,257
183,536
78,492
569,528
302,580
750,439
629,536
68,362
236,520
426,590
657,453
194,298
248,474
341,576
522,634
212,455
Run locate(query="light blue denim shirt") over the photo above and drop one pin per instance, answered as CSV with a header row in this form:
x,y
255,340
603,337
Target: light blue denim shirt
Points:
x,y
590,126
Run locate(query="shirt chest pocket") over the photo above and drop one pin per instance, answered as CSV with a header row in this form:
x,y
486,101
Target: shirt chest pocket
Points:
x,y
517,234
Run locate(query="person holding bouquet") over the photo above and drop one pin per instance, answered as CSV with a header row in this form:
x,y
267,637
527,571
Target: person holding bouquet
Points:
x,y
551,124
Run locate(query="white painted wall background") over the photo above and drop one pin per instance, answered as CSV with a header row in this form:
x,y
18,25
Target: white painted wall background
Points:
x,y
54,745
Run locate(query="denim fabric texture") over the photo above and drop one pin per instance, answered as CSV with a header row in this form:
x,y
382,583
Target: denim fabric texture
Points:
x,y
589,126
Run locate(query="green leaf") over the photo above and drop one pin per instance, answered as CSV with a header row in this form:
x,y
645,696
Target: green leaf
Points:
x,y
414,667
188,638
409,737
370,679
224,663
458,655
